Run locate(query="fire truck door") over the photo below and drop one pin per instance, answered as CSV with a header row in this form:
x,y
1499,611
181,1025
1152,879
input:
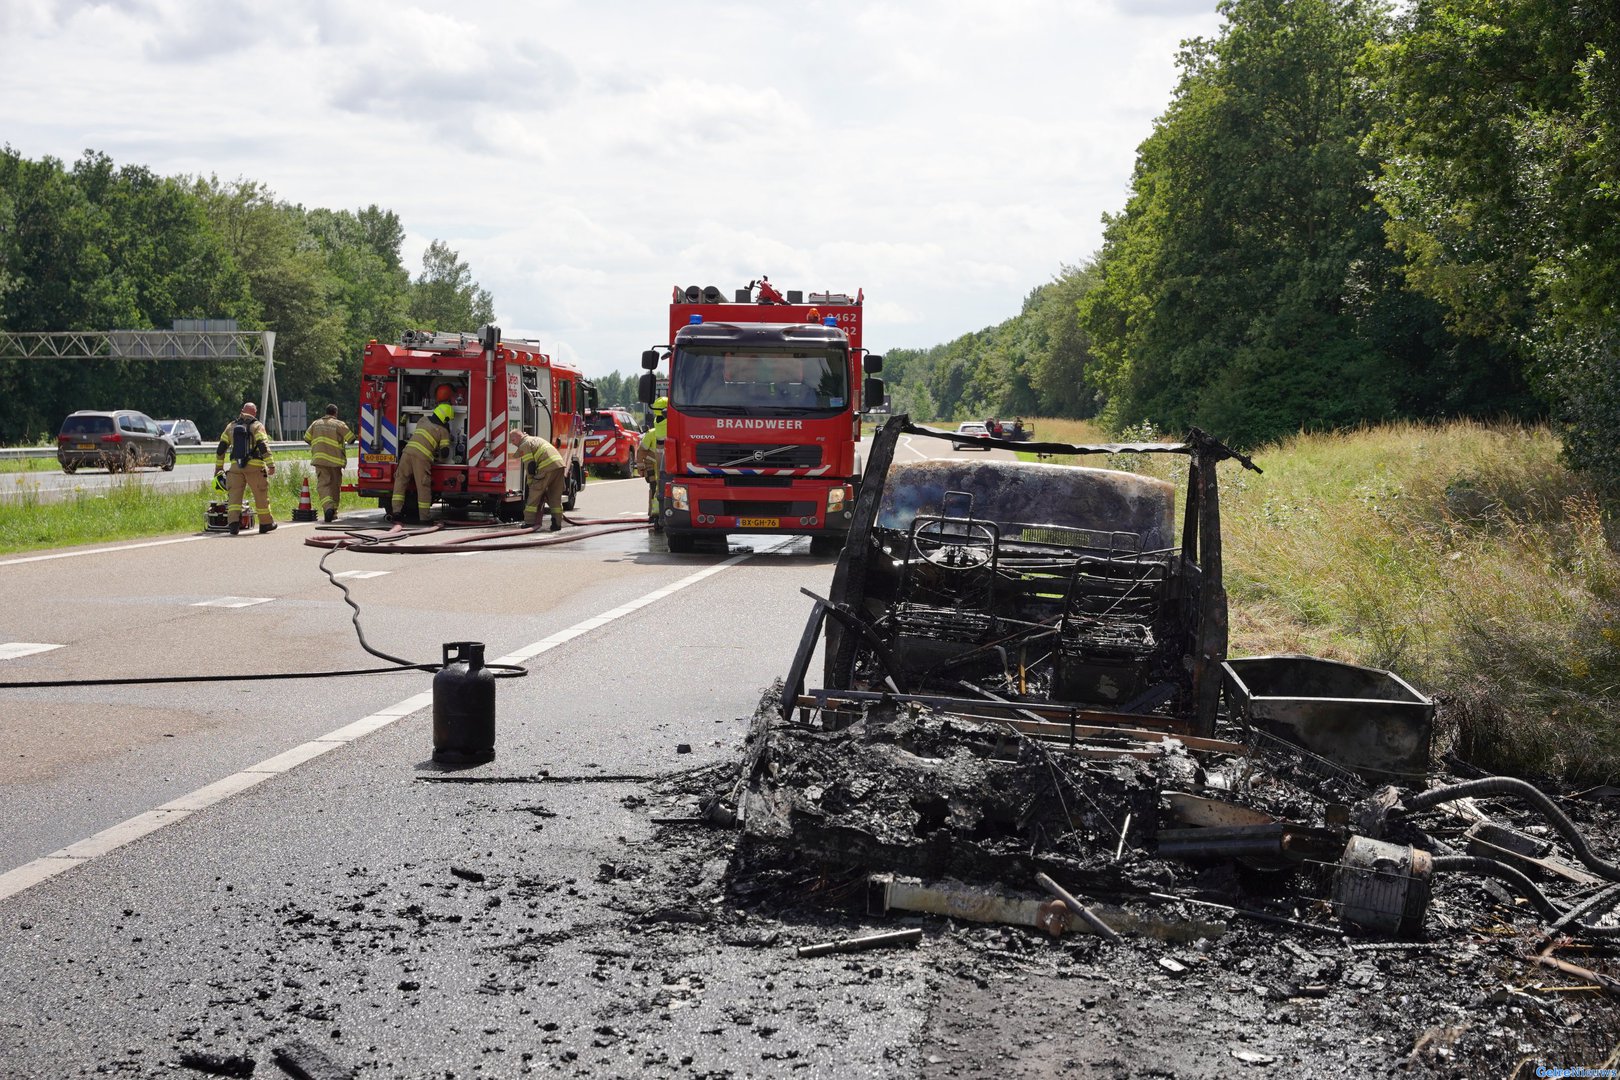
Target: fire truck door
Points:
x,y
536,404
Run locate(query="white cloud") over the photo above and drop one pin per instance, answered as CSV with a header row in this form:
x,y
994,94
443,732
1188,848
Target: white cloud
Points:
x,y
584,158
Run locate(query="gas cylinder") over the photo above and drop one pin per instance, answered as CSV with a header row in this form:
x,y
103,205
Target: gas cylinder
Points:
x,y
464,706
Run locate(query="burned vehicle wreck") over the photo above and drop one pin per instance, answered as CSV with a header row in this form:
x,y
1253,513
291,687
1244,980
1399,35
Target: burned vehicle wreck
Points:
x,y
1028,715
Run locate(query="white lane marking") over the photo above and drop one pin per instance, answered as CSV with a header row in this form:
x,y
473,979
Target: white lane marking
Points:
x,y
234,601
32,873
906,440
102,551
10,650
359,574
134,547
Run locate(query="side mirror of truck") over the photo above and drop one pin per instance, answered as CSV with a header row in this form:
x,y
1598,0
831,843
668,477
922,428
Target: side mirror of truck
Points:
x,y
593,400
872,363
872,393
649,359
647,388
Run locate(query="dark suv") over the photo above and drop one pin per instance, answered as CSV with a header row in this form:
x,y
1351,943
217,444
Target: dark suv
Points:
x,y
114,441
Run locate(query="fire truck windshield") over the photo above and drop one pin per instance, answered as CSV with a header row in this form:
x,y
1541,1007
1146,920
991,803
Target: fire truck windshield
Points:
x,y
718,381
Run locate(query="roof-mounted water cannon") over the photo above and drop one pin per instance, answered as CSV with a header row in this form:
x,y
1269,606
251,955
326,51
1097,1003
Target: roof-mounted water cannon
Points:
x,y
767,291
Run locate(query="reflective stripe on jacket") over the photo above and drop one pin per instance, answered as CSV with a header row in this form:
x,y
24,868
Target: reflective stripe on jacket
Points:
x,y
258,453
326,437
537,454
429,438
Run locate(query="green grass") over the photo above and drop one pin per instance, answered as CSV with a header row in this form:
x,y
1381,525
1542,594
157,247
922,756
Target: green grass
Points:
x,y
129,510
185,455
1462,556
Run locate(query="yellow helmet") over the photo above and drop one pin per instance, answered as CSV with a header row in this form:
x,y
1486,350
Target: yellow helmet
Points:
x,y
444,411
660,404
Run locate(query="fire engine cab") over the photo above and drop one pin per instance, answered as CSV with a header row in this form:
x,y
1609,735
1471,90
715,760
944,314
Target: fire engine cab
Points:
x,y
765,396
494,384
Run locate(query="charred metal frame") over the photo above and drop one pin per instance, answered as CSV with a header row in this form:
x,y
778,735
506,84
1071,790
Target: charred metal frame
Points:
x,y
1200,555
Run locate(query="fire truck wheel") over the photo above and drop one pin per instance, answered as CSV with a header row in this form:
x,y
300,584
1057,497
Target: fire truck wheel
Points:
x,y
627,470
680,543
570,489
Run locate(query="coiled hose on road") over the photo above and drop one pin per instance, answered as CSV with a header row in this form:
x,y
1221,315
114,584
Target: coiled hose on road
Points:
x,y
364,541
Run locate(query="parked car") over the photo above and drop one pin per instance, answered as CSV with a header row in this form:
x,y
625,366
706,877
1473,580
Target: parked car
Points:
x,y
114,441
181,432
611,439
974,428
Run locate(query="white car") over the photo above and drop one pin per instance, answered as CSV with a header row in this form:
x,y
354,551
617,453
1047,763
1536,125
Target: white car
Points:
x,y
975,428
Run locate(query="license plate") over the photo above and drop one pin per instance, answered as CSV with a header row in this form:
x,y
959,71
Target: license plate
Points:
x,y
759,523
87,446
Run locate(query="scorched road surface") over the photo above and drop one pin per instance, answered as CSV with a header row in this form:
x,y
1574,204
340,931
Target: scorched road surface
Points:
x,y
268,878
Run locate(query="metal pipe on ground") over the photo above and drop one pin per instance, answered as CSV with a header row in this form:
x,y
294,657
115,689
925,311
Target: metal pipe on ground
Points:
x,y
1103,930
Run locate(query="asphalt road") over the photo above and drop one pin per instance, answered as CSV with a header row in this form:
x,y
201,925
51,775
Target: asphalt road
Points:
x,y
157,842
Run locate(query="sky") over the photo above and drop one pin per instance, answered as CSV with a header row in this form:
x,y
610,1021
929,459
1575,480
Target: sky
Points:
x,y
944,156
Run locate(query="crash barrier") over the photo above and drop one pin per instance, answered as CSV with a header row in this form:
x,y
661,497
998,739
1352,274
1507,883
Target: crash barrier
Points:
x,y
17,453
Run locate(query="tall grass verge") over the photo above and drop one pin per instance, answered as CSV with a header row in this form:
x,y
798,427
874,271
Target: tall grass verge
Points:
x,y
1463,556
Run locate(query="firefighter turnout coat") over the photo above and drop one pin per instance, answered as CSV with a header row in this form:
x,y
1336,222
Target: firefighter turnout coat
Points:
x,y
327,437
543,465
247,445
416,463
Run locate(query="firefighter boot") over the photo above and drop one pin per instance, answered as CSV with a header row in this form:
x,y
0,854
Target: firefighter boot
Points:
x,y
234,527
556,523
268,526
331,514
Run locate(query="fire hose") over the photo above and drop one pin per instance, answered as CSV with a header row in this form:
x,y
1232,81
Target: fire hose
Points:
x,y
1508,785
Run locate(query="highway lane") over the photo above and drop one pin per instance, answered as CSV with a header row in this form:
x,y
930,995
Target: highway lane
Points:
x,y
81,759
187,924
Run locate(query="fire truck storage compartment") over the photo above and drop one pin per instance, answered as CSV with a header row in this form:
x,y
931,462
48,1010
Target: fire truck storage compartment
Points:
x,y
420,392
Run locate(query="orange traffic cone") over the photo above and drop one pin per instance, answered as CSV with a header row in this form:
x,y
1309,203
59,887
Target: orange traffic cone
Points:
x,y
305,511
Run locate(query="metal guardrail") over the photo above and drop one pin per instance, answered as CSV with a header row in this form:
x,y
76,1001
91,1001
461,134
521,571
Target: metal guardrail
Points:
x,y
15,453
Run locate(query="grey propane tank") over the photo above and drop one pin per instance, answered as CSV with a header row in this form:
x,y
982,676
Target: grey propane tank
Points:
x,y
464,706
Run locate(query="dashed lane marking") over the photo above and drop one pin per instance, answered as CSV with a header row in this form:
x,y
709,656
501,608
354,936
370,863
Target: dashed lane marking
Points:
x,y
357,575
10,650
46,867
234,601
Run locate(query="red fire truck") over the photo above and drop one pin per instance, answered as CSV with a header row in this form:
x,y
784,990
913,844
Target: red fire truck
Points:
x,y
765,399
494,385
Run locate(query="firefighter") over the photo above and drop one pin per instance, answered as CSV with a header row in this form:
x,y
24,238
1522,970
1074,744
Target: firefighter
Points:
x,y
543,466
326,438
247,445
415,465
651,456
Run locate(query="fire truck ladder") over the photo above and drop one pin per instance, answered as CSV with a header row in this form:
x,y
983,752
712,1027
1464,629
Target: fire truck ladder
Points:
x,y
454,341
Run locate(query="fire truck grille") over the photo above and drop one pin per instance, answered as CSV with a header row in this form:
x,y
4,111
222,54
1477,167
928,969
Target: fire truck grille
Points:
x,y
758,456
750,508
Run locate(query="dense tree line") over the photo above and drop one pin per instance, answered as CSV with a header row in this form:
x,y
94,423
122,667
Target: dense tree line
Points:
x,y
101,247
1346,214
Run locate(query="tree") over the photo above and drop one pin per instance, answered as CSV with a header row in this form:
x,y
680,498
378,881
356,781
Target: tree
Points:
x,y
1223,290
446,297
1501,179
